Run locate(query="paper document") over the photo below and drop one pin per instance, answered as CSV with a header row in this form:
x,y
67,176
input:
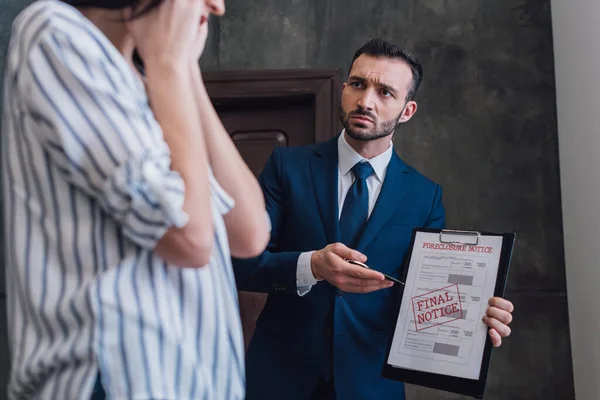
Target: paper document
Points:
x,y
439,327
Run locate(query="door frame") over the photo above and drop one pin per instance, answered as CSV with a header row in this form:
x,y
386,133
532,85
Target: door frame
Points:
x,y
323,85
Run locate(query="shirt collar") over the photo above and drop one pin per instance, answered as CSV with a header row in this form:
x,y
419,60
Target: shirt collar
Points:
x,y
348,157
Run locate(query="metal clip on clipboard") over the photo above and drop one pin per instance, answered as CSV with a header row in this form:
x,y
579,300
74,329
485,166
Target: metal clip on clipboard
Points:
x,y
475,235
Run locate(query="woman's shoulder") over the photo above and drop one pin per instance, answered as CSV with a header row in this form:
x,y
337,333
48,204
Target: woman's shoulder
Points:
x,y
45,20
47,15
52,29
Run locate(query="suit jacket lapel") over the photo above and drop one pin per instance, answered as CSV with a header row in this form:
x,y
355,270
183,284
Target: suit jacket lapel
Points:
x,y
395,186
324,169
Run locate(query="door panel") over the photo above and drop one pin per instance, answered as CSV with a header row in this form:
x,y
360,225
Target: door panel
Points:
x,y
256,146
257,129
262,110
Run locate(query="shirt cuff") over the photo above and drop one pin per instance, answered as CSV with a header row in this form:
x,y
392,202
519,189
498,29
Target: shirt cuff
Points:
x,y
304,276
146,197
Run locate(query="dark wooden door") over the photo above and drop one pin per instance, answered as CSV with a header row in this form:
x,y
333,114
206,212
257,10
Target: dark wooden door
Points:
x,y
262,110
258,127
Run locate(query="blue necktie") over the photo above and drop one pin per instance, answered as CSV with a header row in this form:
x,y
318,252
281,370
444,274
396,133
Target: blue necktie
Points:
x,y
356,205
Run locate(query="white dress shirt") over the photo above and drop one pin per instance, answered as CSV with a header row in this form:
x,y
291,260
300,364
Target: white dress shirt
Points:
x,y
347,158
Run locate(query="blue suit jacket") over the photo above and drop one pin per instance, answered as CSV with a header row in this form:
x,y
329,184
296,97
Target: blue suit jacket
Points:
x,y
299,339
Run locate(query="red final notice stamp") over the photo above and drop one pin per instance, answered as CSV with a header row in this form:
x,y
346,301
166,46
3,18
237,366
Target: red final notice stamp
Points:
x,y
437,307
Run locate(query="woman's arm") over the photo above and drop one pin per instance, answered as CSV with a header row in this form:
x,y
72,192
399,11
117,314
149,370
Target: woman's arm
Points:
x,y
247,223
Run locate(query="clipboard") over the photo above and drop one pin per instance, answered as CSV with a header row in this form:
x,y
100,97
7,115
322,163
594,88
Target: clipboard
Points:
x,y
473,387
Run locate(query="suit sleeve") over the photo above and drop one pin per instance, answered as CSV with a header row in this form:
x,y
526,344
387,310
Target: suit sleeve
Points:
x,y
270,272
437,215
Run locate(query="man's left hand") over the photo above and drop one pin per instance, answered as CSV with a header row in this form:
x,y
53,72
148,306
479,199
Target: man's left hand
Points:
x,y
498,316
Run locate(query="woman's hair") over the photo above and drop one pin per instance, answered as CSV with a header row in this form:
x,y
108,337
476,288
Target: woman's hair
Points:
x,y
117,4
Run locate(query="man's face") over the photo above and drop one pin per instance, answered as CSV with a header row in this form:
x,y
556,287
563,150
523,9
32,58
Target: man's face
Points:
x,y
374,97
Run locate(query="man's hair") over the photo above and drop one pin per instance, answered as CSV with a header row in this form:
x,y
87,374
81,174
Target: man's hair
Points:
x,y
383,49
117,4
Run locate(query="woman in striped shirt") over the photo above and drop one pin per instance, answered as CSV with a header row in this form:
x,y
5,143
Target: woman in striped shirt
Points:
x,y
120,219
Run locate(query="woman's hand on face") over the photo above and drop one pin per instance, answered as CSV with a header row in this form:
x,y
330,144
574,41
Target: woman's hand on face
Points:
x,y
168,34
200,43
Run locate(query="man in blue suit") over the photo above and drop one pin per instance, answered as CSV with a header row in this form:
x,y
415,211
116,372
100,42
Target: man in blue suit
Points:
x,y
326,323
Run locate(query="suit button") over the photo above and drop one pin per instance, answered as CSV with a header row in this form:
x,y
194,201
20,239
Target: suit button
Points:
x,y
328,332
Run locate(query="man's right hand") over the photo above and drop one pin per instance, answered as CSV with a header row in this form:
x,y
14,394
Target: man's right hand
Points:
x,y
329,264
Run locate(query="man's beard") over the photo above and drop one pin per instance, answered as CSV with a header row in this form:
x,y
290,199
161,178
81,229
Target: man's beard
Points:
x,y
378,130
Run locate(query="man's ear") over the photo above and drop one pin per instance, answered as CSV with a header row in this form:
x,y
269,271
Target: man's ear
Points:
x,y
409,110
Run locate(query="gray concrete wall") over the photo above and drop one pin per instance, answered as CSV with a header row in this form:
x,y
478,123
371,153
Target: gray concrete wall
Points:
x,y
577,50
485,130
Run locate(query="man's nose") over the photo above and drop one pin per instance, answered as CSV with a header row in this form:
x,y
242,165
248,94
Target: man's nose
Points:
x,y
366,100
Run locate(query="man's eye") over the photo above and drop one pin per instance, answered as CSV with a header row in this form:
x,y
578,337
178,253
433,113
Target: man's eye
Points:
x,y
356,84
386,93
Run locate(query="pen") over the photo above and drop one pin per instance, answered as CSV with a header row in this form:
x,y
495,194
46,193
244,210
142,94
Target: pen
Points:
x,y
390,278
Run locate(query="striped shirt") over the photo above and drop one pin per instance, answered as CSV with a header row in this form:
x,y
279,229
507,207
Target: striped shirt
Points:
x,y
88,192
